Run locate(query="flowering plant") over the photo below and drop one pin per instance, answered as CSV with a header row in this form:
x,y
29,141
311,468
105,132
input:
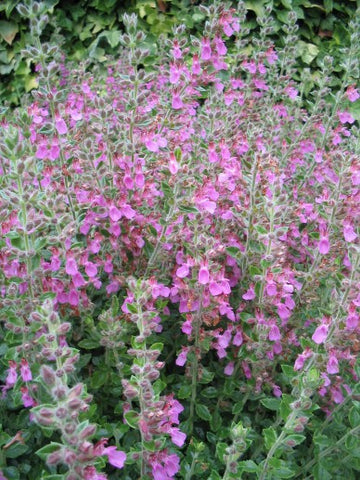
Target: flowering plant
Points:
x,y
196,229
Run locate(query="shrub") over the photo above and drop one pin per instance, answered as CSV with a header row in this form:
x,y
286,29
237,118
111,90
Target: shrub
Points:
x,y
180,261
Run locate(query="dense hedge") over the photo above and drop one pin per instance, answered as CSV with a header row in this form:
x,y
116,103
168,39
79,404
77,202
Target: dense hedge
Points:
x,y
91,29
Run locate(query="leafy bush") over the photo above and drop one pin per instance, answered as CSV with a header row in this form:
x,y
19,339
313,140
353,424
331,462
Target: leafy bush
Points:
x,y
92,29
180,261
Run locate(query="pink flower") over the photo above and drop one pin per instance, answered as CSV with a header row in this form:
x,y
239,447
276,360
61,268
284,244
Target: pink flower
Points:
x,y
177,103
128,212
277,391
183,271
182,357
215,288
250,294
25,371
177,437
173,164
114,213
116,457
196,69
332,366
324,245
205,49
346,117
71,266
274,333
352,93
91,269
73,298
246,369
349,233
320,334
25,397
60,125
12,374
186,327
229,369
203,276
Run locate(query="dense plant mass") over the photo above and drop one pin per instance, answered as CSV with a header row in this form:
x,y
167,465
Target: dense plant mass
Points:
x,y
180,262
90,29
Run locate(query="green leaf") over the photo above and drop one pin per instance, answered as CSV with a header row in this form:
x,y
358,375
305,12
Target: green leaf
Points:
x,y
270,437
285,408
210,392
132,418
248,466
51,448
178,154
159,386
206,376
215,421
132,308
257,6
289,371
202,411
271,403
307,51
88,344
16,450
99,378
10,5
8,31
167,190
233,252
221,450
184,392
280,469
157,346
187,209
354,417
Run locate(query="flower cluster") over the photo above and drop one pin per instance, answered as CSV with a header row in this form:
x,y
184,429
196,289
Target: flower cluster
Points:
x,y
198,194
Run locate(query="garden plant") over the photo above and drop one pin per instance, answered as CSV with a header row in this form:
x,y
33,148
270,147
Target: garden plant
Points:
x,y
179,260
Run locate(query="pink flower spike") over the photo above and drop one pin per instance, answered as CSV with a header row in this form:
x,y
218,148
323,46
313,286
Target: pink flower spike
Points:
x,y
116,457
25,371
320,334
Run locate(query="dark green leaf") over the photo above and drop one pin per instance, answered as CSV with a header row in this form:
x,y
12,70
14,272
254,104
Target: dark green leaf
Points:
x,y
202,411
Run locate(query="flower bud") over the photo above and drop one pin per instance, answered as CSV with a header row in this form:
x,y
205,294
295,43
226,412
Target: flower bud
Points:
x,y
48,375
